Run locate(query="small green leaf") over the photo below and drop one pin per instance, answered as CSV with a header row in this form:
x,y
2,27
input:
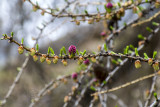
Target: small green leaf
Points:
x,y
119,60
12,34
64,50
155,95
77,52
126,50
114,61
141,37
84,52
37,47
149,29
145,56
125,24
48,50
119,4
155,23
86,12
136,52
146,1
92,88
112,52
131,46
104,82
52,51
105,47
154,54
22,41
61,51
81,53
111,27
105,7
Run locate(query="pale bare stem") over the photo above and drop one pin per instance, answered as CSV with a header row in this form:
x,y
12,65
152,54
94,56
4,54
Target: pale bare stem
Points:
x,y
147,20
52,20
83,92
92,103
41,93
48,87
4,101
151,91
102,99
139,103
114,97
91,3
127,84
129,6
156,103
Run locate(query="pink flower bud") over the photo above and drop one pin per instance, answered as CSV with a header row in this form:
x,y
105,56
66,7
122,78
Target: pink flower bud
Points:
x,y
74,75
103,33
86,62
72,49
109,5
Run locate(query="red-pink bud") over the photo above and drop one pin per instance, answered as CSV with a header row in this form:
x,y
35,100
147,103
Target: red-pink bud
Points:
x,y
86,62
74,75
72,49
109,5
103,33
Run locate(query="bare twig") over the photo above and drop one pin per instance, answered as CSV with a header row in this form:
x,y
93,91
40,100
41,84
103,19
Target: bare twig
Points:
x,y
147,20
4,101
126,84
85,15
151,91
82,93
156,103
